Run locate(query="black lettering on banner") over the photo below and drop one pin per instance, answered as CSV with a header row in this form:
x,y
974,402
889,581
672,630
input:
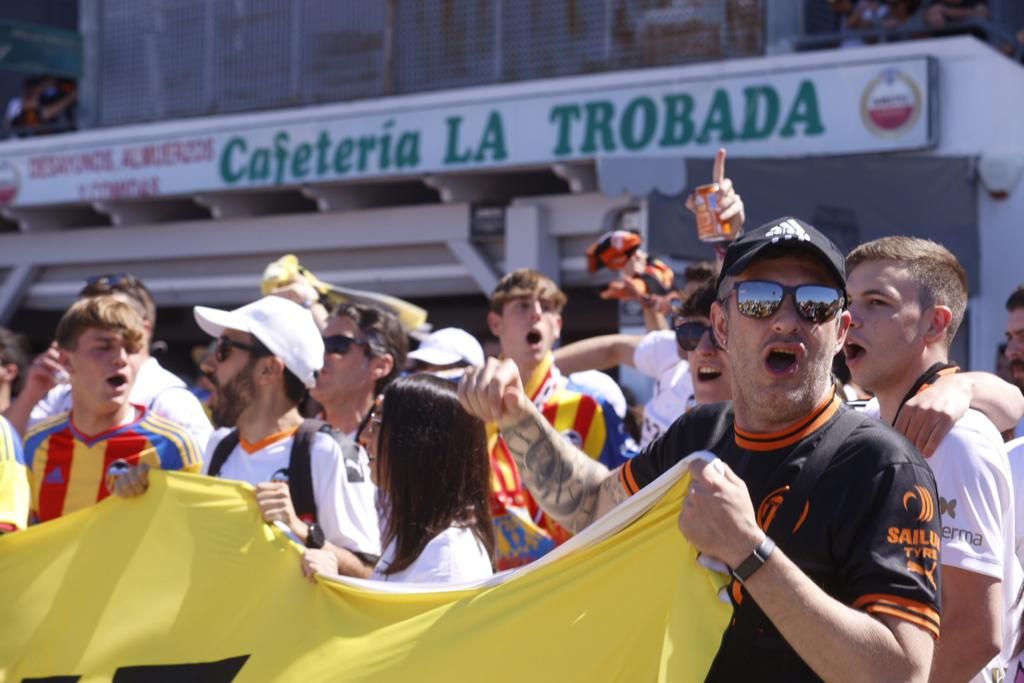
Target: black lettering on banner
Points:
x,y
223,671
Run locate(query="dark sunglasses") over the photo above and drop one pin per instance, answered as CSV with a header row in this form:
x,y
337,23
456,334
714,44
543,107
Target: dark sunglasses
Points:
x,y
341,344
225,345
814,303
688,335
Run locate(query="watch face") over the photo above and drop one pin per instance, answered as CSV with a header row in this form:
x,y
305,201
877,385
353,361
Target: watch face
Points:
x,y
316,536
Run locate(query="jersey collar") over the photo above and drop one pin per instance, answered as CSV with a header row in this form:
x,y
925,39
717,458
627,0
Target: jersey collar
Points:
x,y
800,430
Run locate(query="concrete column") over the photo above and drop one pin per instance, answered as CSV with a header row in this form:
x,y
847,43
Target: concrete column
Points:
x,y
529,243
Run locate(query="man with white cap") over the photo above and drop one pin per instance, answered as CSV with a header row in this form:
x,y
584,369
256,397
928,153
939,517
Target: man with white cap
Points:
x,y
447,353
267,356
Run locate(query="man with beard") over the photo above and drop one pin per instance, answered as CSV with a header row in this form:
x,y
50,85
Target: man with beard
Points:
x,y
526,317
845,498
267,356
1015,342
907,299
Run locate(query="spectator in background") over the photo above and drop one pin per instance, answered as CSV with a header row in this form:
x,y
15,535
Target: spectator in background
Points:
x,y
943,14
46,393
709,369
447,353
46,105
365,349
868,14
68,455
1015,342
14,360
526,317
429,459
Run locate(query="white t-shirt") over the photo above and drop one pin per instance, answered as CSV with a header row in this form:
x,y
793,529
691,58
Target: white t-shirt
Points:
x,y
657,356
342,490
453,556
161,392
1015,455
976,501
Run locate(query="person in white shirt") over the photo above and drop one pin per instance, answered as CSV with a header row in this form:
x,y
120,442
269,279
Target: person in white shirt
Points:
x,y
907,299
267,355
46,392
364,350
429,458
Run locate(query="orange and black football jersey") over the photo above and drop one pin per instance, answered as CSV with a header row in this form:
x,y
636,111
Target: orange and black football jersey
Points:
x,y
867,532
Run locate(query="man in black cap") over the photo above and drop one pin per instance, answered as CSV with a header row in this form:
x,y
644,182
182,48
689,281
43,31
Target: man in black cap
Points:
x,y
827,520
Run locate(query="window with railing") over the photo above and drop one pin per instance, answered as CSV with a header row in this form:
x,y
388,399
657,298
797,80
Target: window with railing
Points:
x,y
842,23
166,59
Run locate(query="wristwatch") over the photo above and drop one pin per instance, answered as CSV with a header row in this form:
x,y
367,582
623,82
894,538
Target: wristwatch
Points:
x,y
754,561
315,536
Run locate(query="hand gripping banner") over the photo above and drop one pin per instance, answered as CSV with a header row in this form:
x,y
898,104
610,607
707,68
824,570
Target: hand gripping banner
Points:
x,y
187,583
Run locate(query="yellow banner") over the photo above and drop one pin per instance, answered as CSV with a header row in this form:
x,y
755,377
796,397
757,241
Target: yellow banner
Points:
x,y
187,583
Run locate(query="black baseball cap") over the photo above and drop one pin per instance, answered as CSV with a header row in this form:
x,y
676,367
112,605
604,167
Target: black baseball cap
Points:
x,y
782,234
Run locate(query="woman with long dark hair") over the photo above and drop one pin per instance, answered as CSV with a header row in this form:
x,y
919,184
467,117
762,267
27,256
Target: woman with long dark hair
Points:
x,y
428,458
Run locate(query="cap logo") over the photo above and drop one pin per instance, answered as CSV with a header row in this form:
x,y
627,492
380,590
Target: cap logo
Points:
x,y
788,230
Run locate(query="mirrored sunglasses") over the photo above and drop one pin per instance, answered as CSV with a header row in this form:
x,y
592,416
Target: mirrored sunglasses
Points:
x,y
762,298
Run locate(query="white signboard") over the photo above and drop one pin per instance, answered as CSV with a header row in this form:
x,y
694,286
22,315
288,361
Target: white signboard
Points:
x,y
829,110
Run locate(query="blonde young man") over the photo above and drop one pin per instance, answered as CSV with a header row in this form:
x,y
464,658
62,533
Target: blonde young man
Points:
x,y
824,595
160,391
907,300
69,456
526,317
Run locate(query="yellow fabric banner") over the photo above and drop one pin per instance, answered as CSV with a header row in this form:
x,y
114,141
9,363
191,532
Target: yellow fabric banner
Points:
x,y
187,583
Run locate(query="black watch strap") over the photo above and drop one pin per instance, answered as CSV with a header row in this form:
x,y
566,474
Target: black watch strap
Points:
x,y
755,560
315,536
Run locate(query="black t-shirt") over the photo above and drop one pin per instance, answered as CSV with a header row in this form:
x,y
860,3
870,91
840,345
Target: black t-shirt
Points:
x,y
867,532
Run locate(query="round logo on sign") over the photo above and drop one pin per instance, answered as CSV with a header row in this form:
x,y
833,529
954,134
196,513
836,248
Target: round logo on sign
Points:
x,y
891,104
10,182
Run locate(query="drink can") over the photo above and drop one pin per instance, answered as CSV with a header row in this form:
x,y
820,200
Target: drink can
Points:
x,y
709,228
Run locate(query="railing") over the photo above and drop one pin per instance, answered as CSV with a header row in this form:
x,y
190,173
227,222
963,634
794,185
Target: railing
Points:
x,y
165,59
1006,17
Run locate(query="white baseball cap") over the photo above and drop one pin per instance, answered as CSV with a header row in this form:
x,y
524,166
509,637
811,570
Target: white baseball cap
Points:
x,y
285,328
449,345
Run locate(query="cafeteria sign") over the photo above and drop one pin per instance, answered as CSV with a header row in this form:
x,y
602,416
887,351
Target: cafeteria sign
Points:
x,y
677,112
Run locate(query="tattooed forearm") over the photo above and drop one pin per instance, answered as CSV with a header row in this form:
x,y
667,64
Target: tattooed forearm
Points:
x,y
565,481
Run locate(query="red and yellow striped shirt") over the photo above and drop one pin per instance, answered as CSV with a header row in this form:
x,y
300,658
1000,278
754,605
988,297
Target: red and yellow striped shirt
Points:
x,y
68,469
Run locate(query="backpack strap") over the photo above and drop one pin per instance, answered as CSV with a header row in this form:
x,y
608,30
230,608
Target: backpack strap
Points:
x,y
300,471
221,452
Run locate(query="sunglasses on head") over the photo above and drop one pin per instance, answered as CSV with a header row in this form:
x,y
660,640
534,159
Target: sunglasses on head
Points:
x,y
814,303
225,345
111,280
688,335
341,344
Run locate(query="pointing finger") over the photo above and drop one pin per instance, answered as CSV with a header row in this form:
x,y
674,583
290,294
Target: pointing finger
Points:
x,y
718,171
